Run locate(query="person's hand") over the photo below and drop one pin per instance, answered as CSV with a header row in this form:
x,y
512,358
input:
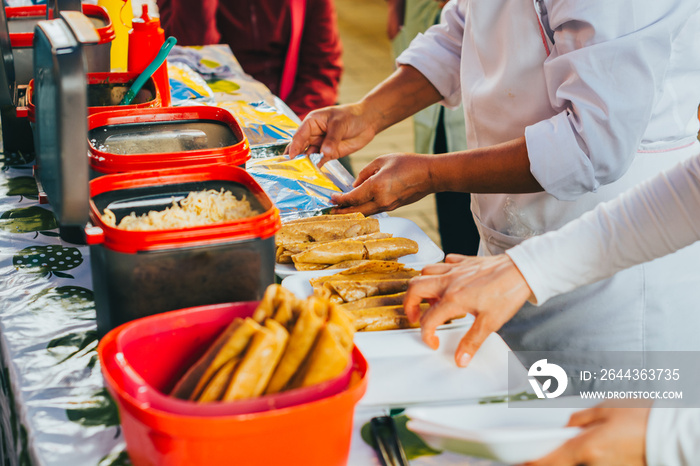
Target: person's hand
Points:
x,y
386,183
490,288
610,435
333,131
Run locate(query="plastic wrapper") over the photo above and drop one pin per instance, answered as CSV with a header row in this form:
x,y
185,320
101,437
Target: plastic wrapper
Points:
x,y
298,187
186,84
267,121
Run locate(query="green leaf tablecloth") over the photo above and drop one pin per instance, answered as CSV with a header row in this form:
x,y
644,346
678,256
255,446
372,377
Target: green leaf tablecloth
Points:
x,y
54,409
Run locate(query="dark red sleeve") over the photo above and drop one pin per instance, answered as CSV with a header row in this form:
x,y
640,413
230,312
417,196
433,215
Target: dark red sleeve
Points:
x,y
191,22
320,63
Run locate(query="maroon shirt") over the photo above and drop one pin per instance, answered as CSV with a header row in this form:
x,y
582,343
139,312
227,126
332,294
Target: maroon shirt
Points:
x,y
258,32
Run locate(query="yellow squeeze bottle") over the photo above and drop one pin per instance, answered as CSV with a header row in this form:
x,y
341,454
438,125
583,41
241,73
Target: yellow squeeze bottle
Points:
x,y
121,14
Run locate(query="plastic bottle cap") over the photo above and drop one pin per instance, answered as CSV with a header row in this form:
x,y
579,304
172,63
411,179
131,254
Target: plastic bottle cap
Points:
x,y
144,20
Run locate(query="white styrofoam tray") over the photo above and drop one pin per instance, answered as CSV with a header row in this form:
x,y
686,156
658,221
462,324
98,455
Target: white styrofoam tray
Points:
x,y
514,432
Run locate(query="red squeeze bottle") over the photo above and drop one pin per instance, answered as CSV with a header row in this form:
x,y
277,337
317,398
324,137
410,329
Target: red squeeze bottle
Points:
x,y
145,40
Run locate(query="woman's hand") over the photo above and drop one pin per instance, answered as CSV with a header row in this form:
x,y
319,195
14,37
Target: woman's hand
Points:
x,y
386,183
333,131
490,288
610,435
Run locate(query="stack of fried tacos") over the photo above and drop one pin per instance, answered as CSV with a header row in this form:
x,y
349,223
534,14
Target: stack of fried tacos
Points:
x,y
372,292
288,343
339,241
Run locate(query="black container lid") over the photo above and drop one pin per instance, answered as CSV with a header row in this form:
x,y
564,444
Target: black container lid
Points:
x,y
8,83
61,113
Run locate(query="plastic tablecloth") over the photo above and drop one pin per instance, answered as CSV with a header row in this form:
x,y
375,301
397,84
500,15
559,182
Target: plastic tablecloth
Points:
x,y
54,409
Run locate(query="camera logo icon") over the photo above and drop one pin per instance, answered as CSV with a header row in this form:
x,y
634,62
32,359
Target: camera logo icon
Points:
x,y
541,376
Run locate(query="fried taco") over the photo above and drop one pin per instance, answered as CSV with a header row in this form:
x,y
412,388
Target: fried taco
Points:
x,y
325,230
230,344
383,318
303,335
375,301
255,369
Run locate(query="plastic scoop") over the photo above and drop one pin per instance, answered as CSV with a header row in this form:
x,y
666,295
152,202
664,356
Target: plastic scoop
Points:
x,y
149,70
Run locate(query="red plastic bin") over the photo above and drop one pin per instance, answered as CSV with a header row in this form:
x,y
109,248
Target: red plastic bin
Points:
x,y
315,433
154,334
105,91
153,138
21,21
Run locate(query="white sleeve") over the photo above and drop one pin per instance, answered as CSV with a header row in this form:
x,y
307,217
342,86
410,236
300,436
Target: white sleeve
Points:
x,y
603,76
437,53
648,221
673,437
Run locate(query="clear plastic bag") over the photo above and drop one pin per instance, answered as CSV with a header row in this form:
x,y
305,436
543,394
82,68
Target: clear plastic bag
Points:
x,y
298,187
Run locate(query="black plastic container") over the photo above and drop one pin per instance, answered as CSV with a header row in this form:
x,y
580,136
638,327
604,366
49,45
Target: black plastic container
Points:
x,y
141,273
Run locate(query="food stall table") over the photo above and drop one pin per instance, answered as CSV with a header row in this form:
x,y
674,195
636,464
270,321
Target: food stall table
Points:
x,y
54,409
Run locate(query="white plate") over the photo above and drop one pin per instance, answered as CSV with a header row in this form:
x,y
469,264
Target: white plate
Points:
x,y
512,433
404,371
428,251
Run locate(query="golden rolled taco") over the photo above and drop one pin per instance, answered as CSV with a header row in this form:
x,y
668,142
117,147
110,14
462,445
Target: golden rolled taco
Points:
x,y
285,312
327,230
347,264
342,323
352,290
275,295
214,390
303,267
380,266
301,340
326,361
331,253
405,274
230,344
383,318
395,299
283,256
390,248
255,369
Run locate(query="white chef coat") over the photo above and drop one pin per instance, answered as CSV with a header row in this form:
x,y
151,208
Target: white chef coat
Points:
x,y
611,102
673,437
653,219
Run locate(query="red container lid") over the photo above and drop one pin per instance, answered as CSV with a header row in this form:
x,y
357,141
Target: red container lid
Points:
x,y
106,162
26,39
105,77
261,226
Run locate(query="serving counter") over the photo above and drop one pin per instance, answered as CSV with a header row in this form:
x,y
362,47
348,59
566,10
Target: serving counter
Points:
x,y
54,409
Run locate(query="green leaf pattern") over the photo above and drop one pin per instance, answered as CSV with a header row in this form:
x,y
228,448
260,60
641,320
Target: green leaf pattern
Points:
x,y
22,186
98,410
27,219
45,260
47,327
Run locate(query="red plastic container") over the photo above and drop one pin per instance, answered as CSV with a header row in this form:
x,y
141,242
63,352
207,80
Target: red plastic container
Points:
x,y
170,137
315,433
106,90
156,334
141,273
21,21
